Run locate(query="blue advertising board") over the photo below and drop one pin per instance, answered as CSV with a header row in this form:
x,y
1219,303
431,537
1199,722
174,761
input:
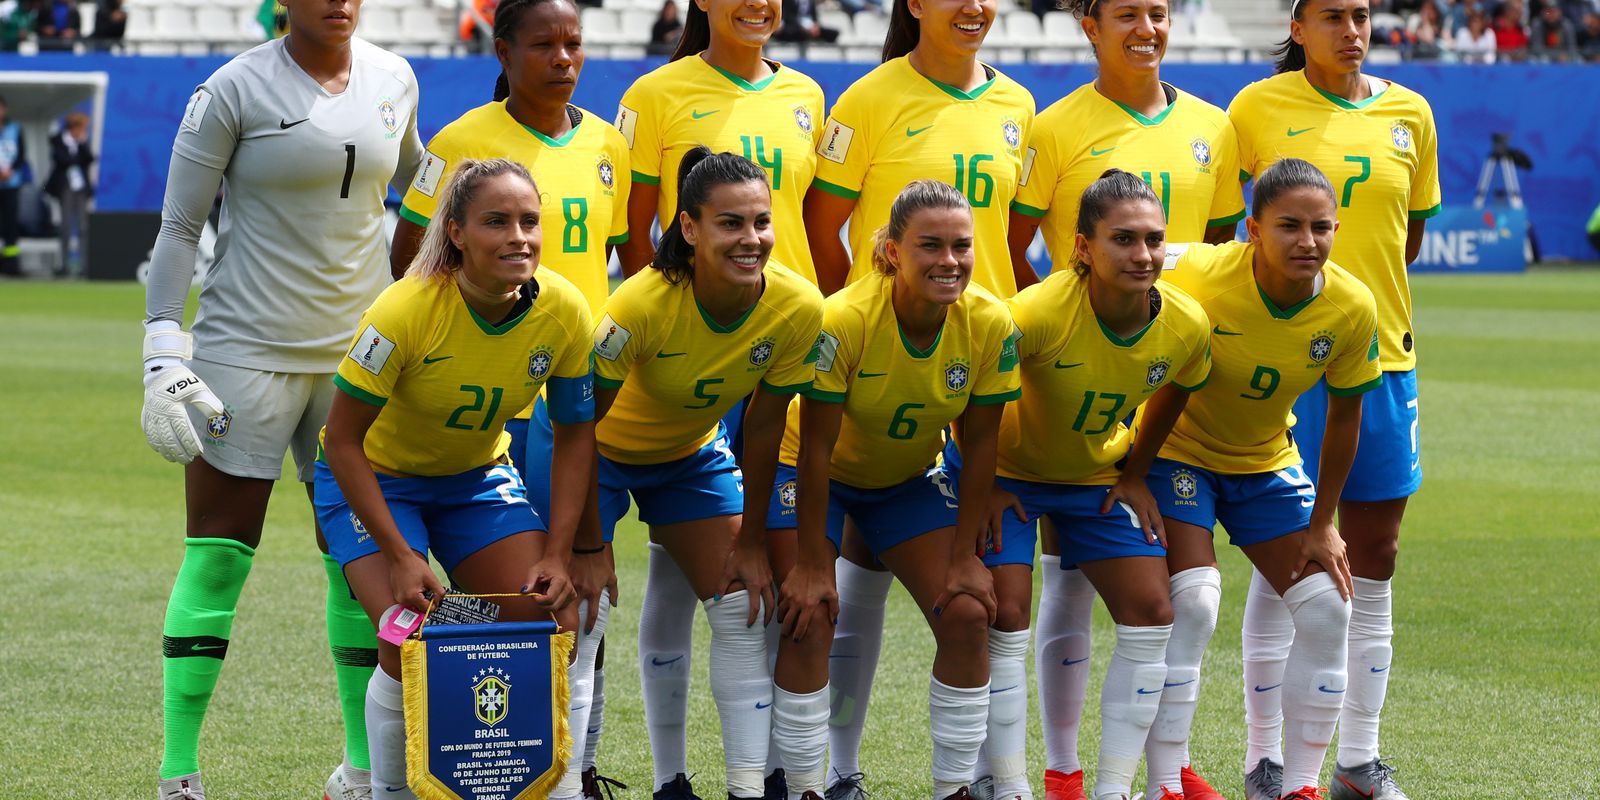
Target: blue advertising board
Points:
x,y
1467,239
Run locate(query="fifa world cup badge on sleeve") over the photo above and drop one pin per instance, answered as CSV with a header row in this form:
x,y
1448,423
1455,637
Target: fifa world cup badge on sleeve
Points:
x,y
486,710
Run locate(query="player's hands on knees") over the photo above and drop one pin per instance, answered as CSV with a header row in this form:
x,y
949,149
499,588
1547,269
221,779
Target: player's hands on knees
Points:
x,y
413,583
549,584
1000,501
747,567
1135,494
593,579
968,575
1323,544
807,597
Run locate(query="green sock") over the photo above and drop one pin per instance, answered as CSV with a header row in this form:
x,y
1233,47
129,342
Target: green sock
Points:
x,y
355,653
193,642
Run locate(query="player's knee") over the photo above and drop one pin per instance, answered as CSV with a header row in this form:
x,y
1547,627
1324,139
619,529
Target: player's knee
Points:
x,y
1143,609
1011,615
963,622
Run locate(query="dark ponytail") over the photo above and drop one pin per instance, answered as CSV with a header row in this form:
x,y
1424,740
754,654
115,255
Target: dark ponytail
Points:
x,y
1114,188
507,16
1284,176
1289,55
696,36
904,31
699,172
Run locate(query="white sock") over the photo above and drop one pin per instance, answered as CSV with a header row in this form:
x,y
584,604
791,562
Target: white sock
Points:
x,y
774,753
800,733
1371,632
386,734
1061,659
742,687
1268,632
958,718
666,642
1196,593
1006,745
580,683
853,660
1314,680
597,719
1128,704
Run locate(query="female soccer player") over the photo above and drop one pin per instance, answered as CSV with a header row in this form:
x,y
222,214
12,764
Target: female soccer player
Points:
x,y
1284,318
904,353
1097,341
1185,149
307,132
1375,140
679,344
415,443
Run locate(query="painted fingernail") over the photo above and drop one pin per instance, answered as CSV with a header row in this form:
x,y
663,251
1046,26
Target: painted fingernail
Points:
x,y
524,588
936,611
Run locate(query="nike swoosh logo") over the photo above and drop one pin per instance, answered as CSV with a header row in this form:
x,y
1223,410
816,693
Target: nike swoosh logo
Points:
x,y
284,124
760,706
670,355
201,648
1098,152
1261,688
1148,691
698,115
865,374
1326,690
658,662
393,789
910,132
1367,794
1375,670
1184,683
998,691
1217,329
1060,365
1067,662
427,360
1293,132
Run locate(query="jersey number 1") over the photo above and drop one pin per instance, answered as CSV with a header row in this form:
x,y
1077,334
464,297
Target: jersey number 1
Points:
x,y
349,171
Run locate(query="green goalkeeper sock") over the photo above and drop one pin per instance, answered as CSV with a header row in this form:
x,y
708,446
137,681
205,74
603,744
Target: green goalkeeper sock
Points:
x,y
354,644
194,641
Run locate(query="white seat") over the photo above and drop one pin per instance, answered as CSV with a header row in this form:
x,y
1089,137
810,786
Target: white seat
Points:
x,y
217,24
421,24
602,26
174,24
1023,29
379,23
868,29
1061,28
835,19
626,51
635,25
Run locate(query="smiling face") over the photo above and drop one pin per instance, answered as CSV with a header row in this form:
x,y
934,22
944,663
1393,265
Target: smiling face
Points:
x,y
733,236
1334,33
545,54
499,236
745,23
326,23
955,28
1294,233
1127,248
933,258
1129,35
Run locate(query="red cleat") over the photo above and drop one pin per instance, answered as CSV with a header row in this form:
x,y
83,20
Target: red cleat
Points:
x,y
1063,785
1307,793
1196,787
1166,794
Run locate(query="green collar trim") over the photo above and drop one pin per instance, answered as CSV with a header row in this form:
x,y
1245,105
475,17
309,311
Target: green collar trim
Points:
x,y
549,142
1343,103
741,82
958,94
496,330
1148,122
1284,313
717,328
912,349
1118,340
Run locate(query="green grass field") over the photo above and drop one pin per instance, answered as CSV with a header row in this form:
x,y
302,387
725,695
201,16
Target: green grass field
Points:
x,y
1498,621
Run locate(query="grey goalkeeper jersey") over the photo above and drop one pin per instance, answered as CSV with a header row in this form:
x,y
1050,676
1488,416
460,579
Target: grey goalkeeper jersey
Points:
x,y
300,250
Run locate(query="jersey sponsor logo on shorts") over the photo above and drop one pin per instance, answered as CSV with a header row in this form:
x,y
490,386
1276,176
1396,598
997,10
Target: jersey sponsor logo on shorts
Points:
x,y
802,118
217,426
195,114
431,173
372,350
787,494
539,363
355,524
607,172
761,351
956,373
627,118
610,338
1202,152
1401,135
1185,485
1321,347
1157,372
836,141
389,116
1012,133
827,351
491,695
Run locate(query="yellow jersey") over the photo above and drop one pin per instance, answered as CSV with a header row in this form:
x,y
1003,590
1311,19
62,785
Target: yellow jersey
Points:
x,y
447,379
898,399
678,372
1187,153
1263,357
1381,155
912,127
688,102
1080,380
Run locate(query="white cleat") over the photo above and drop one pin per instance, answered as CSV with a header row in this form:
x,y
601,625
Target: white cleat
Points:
x,y
348,783
183,787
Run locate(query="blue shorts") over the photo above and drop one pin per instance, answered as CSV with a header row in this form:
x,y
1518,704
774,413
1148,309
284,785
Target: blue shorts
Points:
x,y
1254,508
733,427
1086,534
1388,461
886,517
532,443
702,485
452,516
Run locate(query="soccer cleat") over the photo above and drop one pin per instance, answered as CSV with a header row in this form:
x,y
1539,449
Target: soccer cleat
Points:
x,y
960,794
348,783
848,787
809,795
775,787
183,787
676,789
1063,785
1265,782
1197,788
1307,793
1373,780
594,783
1168,794
982,788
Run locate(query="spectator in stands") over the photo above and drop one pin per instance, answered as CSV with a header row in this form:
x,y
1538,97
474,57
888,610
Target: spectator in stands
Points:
x,y
800,24
854,7
1475,43
110,24
1589,38
1554,38
1452,17
58,25
13,155
666,30
16,20
69,184
1510,38
1425,34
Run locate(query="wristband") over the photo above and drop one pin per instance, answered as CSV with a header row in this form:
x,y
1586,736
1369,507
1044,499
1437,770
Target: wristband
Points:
x,y
589,552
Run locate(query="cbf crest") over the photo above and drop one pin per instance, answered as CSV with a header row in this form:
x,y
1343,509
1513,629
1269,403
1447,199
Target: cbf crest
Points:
x,y
389,116
787,494
1401,136
491,696
761,351
1202,152
539,364
1184,484
1157,372
802,118
956,374
217,426
1321,346
1012,133
606,171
